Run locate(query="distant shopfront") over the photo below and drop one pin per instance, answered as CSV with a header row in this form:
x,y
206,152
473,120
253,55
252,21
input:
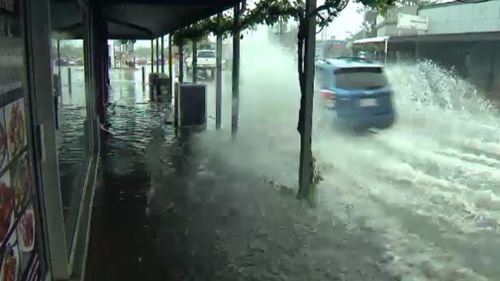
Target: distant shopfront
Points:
x,y
372,48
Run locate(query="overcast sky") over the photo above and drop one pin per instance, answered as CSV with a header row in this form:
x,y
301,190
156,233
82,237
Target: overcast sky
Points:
x,y
348,21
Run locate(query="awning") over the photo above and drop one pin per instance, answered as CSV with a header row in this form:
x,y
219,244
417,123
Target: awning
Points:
x,y
135,19
380,39
451,37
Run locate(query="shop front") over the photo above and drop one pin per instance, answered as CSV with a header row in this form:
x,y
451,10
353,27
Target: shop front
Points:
x,y
372,48
44,213
23,254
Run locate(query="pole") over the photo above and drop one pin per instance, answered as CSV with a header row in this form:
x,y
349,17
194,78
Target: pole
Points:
x,y
236,74
152,56
181,64
218,82
70,90
157,55
306,159
386,44
195,62
122,51
143,78
171,77
59,85
58,91
162,54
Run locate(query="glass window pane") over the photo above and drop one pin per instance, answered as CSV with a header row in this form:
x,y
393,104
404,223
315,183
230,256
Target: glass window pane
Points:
x,y
71,116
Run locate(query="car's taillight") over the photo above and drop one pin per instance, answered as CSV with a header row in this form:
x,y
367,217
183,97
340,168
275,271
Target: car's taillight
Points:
x,y
327,94
330,98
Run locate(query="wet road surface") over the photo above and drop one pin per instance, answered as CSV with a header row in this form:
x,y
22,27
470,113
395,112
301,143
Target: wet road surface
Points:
x,y
169,210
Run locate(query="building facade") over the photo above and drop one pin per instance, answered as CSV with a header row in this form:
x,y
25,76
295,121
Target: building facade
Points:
x,y
462,36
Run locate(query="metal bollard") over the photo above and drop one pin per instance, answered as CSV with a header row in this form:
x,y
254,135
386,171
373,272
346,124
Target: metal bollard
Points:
x,y
176,106
69,81
143,77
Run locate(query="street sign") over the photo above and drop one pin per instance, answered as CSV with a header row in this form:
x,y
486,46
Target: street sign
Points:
x,y
412,22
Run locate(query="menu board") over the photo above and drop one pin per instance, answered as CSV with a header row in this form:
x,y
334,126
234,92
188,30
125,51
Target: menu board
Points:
x,y
19,247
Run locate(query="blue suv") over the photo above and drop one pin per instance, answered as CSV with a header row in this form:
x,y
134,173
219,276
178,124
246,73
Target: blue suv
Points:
x,y
355,93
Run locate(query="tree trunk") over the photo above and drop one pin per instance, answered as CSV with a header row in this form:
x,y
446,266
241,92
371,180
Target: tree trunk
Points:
x,y
302,81
300,69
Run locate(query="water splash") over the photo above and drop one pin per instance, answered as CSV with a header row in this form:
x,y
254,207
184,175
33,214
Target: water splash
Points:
x,y
426,84
428,187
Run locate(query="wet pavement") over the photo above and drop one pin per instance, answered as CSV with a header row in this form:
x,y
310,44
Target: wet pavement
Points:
x,y
169,208
71,143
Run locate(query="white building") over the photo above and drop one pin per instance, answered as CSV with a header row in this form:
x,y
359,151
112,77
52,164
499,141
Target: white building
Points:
x,y
463,35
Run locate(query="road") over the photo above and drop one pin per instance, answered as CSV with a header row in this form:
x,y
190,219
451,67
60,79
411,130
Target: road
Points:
x,y
428,187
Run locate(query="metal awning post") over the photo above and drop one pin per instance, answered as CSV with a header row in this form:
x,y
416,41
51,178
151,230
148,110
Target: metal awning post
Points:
x,y
59,84
218,82
306,167
194,67
157,55
170,74
181,63
152,56
236,74
70,86
162,54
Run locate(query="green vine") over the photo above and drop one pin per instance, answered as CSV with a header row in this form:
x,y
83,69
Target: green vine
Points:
x,y
266,12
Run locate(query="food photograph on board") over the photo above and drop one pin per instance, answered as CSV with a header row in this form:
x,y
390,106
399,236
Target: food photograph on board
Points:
x,y
6,207
10,260
26,230
4,152
20,174
16,127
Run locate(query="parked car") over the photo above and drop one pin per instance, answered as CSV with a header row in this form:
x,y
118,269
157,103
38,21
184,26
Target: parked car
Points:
x,y
354,92
141,61
205,61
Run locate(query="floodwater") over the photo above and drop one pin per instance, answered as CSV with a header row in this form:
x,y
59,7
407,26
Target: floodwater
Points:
x,y
418,201
428,188
429,185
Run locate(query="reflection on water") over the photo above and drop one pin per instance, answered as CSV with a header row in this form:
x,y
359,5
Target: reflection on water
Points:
x,y
71,140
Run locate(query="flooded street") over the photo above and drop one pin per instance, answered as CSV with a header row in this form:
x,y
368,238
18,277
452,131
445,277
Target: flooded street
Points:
x,y
418,201
430,183
427,187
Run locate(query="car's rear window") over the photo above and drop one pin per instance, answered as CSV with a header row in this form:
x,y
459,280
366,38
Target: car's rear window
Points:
x,y
206,54
360,78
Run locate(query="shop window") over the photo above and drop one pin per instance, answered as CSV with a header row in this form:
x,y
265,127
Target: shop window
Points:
x,y
21,249
73,137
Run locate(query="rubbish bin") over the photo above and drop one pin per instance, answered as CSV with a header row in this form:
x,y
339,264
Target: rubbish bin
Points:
x,y
163,86
192,105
